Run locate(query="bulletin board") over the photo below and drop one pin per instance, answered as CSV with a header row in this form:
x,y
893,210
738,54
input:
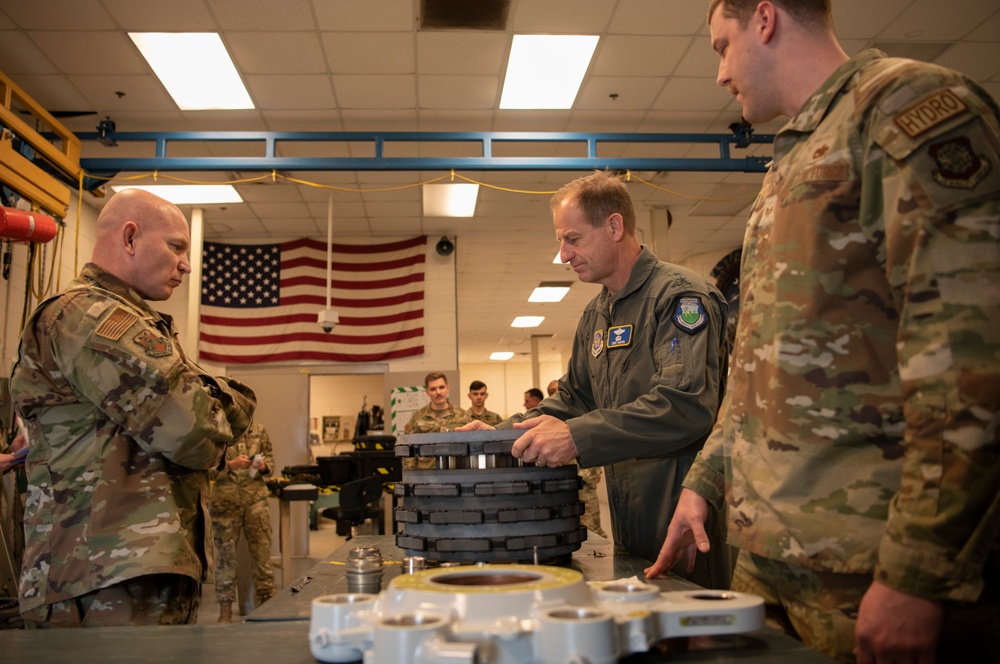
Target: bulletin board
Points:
x,y
403,402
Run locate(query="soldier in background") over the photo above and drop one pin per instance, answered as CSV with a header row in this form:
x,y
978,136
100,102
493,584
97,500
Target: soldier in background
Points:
x,y
239,505
859,445
477,395
532,398
122,429
438,415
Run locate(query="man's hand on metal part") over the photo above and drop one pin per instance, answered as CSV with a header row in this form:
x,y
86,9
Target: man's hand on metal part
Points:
x,y
685,536
475,425
548,442
894,626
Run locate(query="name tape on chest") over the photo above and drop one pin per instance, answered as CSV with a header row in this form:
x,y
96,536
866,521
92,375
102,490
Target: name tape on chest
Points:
x,y
620,336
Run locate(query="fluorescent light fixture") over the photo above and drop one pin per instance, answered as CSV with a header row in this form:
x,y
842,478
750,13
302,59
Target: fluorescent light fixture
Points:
x,y
195,68
501,356
545,71
550,291
557,260
190,194
450,200
527,321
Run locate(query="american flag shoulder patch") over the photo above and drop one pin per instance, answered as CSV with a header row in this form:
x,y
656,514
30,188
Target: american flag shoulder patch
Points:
x,y
116,324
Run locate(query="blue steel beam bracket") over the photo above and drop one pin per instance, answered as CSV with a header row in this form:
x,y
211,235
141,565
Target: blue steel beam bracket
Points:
x,y
270,142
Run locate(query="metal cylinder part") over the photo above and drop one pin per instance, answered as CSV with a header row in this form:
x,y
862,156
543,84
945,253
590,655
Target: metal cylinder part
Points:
x,y
364,570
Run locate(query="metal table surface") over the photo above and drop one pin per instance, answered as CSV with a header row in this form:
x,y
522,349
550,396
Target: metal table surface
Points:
x,y
278,630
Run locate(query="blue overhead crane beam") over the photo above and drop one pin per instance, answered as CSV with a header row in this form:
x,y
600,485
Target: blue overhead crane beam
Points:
x,y
487,161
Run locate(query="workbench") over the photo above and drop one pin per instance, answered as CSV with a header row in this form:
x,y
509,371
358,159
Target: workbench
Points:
x,y
278,630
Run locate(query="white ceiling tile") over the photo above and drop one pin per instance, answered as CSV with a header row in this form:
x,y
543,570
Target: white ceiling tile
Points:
x,y
141,93
107,52
560,17
276,52
172,16
607,93
930,20
370,16
660,17
58,14
262,14
370,52
308,92
474,92
686,94
620,55
864,19
980,61
375,92
19,55
462,52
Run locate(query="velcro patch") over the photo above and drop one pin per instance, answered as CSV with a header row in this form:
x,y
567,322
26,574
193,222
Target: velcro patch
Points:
x,y
690,315
155,345
597,345
929,112
116,324
958,165
619,337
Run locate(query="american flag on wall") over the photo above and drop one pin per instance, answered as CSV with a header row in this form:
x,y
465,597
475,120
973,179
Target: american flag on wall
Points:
x,y
259,301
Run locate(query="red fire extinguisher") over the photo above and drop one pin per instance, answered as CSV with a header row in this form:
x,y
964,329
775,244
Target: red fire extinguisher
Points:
x,y
27,226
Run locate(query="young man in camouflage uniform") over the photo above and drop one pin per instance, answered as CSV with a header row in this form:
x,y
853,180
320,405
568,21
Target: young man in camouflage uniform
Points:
x,y
239,505
477,395
646,373
438,415
858,447
122,428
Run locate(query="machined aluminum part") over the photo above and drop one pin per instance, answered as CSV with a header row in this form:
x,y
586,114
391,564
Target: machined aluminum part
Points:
x,y
516,614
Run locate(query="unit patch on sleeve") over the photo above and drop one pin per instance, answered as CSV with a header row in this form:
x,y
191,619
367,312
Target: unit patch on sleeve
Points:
x,y
619,337
116,324
958,165
598,344
155,345
690,314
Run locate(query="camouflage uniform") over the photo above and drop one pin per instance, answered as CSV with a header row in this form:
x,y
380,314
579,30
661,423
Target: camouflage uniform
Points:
x,y
239,505
588,495
428,420
122,429
859,435
488,417
640,396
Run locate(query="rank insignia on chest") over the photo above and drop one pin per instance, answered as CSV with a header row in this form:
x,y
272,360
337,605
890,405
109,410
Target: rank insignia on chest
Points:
x,y
598,345
690,315
155,345
619,337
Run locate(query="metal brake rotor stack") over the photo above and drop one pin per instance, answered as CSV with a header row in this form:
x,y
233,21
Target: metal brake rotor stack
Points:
x,y
480,504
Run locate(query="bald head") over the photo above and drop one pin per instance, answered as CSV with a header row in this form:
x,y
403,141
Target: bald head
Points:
x,y
143,240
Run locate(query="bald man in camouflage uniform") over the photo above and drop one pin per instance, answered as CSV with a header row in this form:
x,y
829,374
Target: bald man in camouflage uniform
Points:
x,y
122,429
859,445
438,415
239,506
